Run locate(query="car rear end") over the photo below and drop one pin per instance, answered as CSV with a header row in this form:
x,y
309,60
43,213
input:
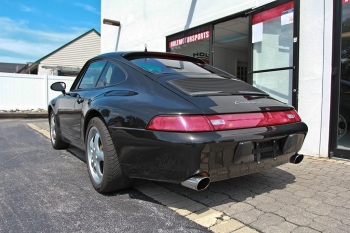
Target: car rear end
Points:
x,y
238,130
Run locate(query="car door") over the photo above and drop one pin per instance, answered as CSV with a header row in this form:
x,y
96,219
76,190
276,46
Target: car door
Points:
x,y
72,104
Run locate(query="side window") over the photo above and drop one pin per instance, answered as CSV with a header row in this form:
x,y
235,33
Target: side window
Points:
x,y
111,75
91,75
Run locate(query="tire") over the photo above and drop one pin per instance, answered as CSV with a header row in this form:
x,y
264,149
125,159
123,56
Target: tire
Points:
x,y
102,160
56,138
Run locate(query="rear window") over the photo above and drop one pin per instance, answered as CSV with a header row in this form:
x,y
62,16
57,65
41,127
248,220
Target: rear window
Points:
x,y
160,65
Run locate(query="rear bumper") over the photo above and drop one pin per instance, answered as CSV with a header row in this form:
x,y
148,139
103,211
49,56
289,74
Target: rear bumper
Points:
x,y
174,157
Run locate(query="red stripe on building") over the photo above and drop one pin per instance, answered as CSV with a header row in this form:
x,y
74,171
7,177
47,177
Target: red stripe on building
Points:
x,y
345,1
273,12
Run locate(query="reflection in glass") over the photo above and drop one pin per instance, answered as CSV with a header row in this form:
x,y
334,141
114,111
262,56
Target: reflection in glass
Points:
x,y
231,42
195,45
344,100
278,84
158,65
272,40
274,48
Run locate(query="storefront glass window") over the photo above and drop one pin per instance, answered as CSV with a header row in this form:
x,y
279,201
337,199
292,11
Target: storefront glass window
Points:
x,y
194,44
231,46
277,84
272,39
344,100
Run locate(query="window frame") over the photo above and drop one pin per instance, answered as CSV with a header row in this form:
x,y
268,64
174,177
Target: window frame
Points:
x,y
103,70
80,76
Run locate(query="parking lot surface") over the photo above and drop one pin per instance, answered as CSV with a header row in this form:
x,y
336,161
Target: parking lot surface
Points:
x,y
45,190
312,196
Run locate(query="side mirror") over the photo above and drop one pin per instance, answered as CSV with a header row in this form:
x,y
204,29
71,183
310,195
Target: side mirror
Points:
x,y
59,86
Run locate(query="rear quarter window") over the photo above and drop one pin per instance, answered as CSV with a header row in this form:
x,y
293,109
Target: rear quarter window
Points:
x,y
91,75
112,75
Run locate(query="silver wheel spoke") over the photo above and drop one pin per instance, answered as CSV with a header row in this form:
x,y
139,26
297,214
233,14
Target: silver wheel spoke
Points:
x,y
91,144
53,132
99,155
52,128
98,171
97,139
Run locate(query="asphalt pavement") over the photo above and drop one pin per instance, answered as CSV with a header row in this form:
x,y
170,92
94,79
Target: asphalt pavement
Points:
x,y
45,190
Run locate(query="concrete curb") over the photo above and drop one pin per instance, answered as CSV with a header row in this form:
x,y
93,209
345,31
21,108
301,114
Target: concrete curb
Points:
x,y
9,115
42,131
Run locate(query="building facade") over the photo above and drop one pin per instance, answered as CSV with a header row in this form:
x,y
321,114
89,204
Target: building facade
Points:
x,y
294,50
69,58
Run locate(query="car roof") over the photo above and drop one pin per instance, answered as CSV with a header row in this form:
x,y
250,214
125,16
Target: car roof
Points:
x,y
140,54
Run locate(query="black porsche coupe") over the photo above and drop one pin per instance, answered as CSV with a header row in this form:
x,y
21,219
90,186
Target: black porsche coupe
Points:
x,y
170,117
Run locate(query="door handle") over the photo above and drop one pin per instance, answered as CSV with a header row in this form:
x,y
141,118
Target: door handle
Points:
x,y
80,100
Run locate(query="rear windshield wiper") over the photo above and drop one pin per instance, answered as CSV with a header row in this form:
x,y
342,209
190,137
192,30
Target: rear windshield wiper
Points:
x,y
205,93
174,67
212,93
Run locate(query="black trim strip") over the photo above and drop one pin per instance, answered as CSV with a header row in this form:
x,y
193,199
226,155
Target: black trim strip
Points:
x,y
296,36
253,11
211,45
269,70
250,51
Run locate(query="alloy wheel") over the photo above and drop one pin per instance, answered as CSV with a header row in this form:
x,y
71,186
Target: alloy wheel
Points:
x,y
53,128
95,155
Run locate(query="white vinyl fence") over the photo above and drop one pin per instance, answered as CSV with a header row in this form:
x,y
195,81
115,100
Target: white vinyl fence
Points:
x,y
28,91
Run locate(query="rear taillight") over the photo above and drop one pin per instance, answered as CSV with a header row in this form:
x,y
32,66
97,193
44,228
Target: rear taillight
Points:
x,y
296,115
180,123
251,120
222,122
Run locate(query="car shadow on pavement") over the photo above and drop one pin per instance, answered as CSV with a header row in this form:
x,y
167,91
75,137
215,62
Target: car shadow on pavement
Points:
x,y
77,153
244,192
133,193
221,194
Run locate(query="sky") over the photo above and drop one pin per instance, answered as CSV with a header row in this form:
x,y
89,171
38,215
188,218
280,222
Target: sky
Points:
x,y
29,30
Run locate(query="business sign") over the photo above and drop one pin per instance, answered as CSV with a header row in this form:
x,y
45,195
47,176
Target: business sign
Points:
x,y
345,1
189,39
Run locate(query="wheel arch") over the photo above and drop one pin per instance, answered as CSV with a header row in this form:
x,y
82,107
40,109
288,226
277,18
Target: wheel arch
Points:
x,y
89,115
49,110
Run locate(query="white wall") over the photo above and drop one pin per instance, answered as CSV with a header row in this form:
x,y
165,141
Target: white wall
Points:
x,y
27,91
314,73
150,21
327,77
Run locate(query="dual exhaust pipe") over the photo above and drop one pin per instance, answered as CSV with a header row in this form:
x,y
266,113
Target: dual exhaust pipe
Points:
x,y
201,181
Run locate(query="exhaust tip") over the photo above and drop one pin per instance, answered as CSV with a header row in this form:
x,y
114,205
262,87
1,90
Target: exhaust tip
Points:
x,y
297,158
203,184
197,183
